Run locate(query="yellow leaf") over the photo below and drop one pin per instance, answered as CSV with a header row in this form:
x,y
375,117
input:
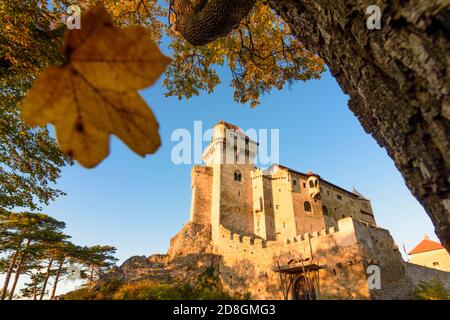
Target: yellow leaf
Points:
x,y
94,94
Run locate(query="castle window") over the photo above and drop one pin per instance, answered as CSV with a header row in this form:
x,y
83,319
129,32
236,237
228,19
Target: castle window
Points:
x,y
276,206
325,210
307,206
339,197
237,176
311,184
294,182
304,185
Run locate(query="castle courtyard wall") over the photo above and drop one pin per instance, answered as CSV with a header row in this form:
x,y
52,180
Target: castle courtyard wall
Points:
x,y
247,264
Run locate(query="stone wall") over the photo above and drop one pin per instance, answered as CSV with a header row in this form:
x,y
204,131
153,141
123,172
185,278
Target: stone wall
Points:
x,y
341,203
306,221
378,248
417,274
202,179
233,198
248,263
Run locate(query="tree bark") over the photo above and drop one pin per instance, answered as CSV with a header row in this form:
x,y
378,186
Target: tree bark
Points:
x,y
91,276
16,277
397,79
58,274
47,276
202,21
19,269
10,270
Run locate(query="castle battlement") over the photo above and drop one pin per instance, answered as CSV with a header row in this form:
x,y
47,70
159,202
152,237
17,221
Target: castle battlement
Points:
x,y
339,234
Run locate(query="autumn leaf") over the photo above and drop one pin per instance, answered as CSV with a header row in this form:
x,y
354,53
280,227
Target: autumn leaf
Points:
x,y
94,93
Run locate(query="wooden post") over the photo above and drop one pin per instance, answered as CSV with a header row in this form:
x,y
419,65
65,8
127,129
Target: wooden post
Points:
x,y
305,276
285,294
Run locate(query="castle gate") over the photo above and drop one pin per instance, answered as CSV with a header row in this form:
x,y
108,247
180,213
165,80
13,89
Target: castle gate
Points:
x,y
299,281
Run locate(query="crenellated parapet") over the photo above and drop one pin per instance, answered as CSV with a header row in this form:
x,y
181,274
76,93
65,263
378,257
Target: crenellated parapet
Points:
x,y
342,234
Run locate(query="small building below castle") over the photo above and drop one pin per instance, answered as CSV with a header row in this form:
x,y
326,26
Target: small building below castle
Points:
x,y
429,253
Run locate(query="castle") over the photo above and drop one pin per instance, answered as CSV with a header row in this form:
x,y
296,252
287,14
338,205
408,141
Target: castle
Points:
x,y
284,234
279,234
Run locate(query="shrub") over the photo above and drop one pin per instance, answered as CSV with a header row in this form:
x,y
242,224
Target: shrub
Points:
x,y
208,287
433,290
147,290
80,294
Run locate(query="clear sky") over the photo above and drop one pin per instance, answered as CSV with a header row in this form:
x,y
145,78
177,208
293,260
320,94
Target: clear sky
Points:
x,y
137,204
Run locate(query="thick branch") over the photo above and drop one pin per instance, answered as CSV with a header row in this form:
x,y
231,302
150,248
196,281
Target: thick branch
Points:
x,y
203,21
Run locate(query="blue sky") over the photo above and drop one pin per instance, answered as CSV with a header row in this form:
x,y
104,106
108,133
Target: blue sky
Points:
x,y
137,204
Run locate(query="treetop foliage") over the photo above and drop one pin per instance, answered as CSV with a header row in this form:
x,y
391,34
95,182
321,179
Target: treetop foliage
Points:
x,y
260,52
34,244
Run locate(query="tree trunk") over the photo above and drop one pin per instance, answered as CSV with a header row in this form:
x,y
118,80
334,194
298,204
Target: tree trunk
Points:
x,y
35,291
12,264
19,270
397,79
16,277
91,276
47,276
58,274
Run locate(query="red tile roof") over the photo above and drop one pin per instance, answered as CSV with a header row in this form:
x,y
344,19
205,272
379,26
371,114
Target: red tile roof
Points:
x,y
426,245
235,128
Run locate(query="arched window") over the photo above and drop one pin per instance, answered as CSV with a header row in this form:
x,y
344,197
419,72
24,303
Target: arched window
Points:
x,y
307,206
311,184
237,176
325,210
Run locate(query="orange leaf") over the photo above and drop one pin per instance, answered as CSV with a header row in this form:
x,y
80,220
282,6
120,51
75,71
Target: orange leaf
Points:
x,y
94,94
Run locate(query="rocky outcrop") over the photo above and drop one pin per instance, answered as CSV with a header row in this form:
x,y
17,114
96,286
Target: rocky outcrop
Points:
x,y
193,238
189,255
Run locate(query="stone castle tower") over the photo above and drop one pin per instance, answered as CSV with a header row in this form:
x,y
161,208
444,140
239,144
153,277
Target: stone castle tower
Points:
x,y
274,204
